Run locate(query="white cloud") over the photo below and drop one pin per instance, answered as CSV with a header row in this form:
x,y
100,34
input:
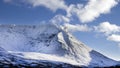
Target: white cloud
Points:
x,y
64,22
92,10
107,28
85,13
114,37
60,19
111,31
96,7
76,27
74,10
51,4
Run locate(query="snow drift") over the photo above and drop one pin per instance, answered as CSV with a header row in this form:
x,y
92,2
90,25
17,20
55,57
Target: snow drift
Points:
x,y
50,43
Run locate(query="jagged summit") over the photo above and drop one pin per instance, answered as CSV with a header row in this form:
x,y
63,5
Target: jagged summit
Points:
x,y
50,43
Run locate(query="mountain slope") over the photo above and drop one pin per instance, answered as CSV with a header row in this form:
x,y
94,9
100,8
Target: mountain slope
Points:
x,y
47,43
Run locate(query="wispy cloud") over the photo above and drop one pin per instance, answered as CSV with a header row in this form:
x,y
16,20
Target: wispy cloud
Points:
x,y
76,27
60,19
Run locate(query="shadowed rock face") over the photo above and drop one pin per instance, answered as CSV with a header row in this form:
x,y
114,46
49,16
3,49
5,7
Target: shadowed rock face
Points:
x,y
36,44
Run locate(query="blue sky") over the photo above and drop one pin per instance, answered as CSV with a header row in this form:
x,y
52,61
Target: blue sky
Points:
x,y
94,22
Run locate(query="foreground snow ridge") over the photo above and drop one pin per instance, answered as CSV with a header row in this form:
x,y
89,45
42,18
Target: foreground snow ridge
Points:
x,y
47,43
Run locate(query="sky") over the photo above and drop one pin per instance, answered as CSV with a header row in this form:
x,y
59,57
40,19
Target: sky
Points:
x,y
94,22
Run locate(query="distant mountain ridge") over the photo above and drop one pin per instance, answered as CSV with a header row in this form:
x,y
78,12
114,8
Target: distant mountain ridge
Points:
x,y
47,45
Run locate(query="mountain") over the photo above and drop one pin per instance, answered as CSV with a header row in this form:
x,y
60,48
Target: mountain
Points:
x,y
46,45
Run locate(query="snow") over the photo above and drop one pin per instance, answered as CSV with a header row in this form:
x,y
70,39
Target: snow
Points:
x,y
47,42
44,57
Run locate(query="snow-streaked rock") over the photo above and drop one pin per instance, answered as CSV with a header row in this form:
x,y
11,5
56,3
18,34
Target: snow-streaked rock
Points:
x,y
46,42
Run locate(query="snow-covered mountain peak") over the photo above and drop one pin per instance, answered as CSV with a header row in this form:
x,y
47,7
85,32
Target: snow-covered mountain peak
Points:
x,y
22,35
49,42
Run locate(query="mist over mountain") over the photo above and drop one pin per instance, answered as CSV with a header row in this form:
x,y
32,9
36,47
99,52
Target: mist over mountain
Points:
x,y
46,45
